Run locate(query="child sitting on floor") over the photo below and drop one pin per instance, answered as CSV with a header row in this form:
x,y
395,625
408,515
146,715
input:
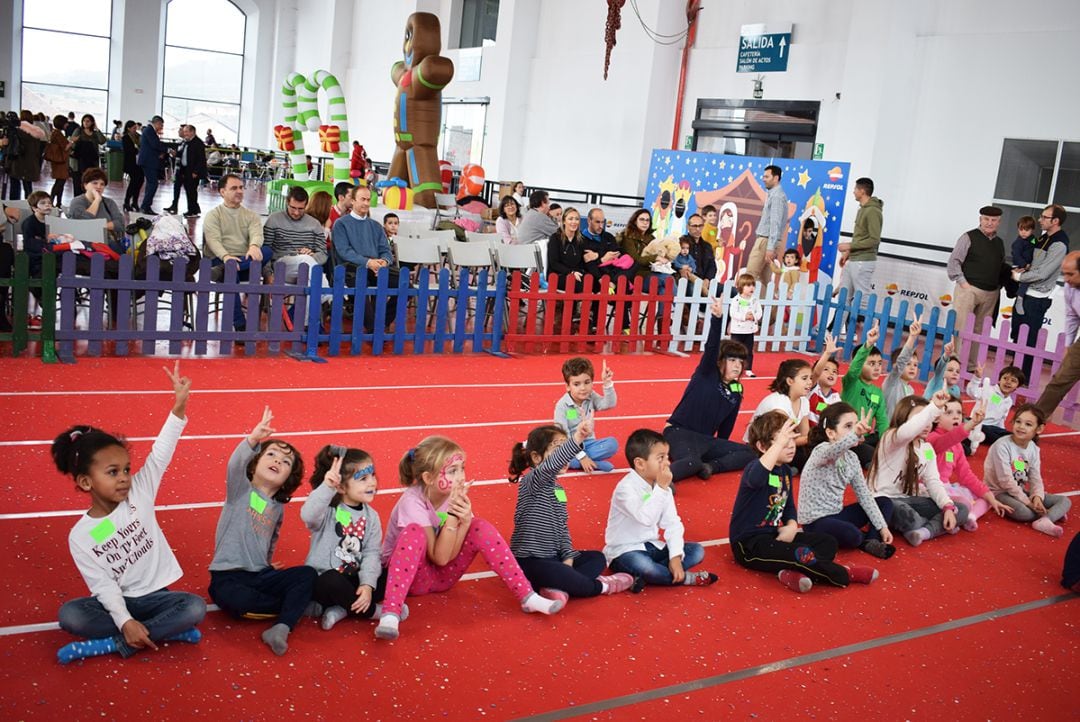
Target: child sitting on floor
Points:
x,y
905,369
825,374
946,374
580,401
997,399
764,532
789,396
860,390
131,607
262,475
643,505
1013,471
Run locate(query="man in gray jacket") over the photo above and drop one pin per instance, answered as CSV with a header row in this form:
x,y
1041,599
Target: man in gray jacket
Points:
x,y
1041,279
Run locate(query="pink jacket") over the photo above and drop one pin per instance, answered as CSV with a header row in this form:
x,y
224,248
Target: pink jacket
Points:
x,y
950,457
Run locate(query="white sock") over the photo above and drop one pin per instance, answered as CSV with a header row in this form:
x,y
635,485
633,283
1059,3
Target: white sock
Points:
x,y
535,603
388,627
603,587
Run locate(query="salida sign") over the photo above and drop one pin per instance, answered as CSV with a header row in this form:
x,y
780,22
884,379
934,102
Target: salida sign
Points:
x,y
763,48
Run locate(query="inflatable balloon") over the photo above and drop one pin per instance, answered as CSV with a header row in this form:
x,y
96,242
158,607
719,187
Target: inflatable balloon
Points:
x,y
299,161
420,77
471,182
446,173
302,113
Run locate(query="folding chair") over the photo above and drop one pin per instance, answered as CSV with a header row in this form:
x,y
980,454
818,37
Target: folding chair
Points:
x,y
417,253
89,230
445,206
413,229
475,257
443,238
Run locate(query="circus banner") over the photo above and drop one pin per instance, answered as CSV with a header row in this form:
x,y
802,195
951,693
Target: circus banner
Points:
x,y
681,183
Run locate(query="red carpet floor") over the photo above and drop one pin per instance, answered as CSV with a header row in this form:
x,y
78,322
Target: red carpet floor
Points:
x,y
744,648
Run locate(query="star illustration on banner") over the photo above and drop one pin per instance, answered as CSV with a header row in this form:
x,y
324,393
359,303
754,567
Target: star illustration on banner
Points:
x,y
804,178
723,165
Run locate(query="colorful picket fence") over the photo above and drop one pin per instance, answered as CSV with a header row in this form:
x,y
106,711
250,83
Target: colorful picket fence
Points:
x,y
840,316
634,317
20,285
1003,346
785,323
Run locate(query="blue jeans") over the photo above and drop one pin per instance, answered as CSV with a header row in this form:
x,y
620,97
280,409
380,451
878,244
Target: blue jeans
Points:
x,y
599,450
243,266
163,613
651,564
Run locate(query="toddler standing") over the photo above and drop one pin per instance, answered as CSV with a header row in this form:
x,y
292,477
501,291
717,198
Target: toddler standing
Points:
x,y
745,313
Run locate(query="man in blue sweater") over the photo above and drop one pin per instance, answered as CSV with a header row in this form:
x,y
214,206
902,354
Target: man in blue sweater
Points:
x,y
699,428
360,242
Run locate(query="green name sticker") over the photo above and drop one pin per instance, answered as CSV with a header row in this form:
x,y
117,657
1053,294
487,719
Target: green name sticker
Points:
x,y
443,516
928,454
774,480
648,495
103,531
821,406
560,495
257,502
874,398
343,517
743,303
1020,465
996,399
737,388
949,457
571,414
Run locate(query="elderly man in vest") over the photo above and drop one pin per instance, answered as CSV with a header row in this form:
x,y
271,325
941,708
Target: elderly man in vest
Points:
x,y
976,266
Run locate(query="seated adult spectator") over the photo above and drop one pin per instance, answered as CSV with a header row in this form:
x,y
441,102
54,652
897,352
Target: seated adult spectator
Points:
x,y
609,258
93,204
360,243
232,232
509,219
566,257
635,237
295,238
701,251
536,224
555,213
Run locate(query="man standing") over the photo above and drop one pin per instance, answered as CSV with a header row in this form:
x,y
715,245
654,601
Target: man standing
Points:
x,y
234,233
703,254
1041,278
859,256
360,243
296,238
536,224
151,149
1069,371
772,229
975,266
194,167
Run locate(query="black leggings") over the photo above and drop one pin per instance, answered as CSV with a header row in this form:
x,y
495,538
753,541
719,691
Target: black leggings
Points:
x,y
280,593
135,184
57,192
808,553
338,589
579,580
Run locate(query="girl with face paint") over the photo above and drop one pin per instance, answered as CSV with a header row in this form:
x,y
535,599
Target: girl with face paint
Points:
x,y
432,536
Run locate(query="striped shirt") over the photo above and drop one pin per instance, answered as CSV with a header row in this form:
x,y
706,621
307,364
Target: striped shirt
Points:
x,y
288,237
540,519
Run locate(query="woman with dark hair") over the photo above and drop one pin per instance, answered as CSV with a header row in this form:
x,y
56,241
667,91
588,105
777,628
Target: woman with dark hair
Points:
x,y
509,219
635,237
56,152
86,150
131,166
93,204
566,257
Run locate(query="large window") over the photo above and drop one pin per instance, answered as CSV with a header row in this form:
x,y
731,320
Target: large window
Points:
x,y
65,57
204,64
479,20
1033,174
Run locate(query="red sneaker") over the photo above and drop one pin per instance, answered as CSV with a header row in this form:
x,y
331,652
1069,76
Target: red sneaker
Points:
x,y
794,581
860,574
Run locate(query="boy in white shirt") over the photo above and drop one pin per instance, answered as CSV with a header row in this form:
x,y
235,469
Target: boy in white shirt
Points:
x,y
998,399
641,506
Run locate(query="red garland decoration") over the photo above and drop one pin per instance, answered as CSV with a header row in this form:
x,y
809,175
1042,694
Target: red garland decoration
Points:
x,y
614,22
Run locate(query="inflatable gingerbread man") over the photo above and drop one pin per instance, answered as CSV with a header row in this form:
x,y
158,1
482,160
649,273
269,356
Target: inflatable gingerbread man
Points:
x,y
419,78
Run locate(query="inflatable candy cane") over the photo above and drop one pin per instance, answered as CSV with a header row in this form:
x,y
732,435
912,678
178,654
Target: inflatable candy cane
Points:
x,y
333,136
290,136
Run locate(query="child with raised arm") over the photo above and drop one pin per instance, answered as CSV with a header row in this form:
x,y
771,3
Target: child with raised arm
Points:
x,y
905,471
789,395
859,385
432,536
946,438
262,475
946,374
118,546
905,369
541,541
346,536
580,401
699,429
825,374
997,399
764,532
643,505
833,467
745,313
1013,471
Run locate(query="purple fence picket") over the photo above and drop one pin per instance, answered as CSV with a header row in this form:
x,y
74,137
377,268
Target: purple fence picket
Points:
x,y
1003,344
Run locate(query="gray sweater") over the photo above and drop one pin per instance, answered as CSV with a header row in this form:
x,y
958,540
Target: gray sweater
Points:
x,y
895,388
1045,269
342,538
568,414
831,468
249,524
288,237
535,226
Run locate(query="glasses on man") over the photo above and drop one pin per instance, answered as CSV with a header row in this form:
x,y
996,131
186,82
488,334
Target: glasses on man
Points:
x,y
697,225
1046,218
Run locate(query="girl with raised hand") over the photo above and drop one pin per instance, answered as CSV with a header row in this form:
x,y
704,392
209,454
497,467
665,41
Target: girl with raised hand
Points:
x,y
118,546
541,540
432,536
262,475
905,470
790,395
833,466
346,535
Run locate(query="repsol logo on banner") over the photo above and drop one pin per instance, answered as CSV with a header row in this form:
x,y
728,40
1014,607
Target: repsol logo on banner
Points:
x,y
833,186
893,290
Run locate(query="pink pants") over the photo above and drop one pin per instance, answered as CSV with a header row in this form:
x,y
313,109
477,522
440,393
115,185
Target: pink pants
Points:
x,y
963,495
410,572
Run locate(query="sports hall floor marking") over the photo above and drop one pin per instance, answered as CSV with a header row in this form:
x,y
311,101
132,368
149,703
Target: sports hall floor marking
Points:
x,y
804,659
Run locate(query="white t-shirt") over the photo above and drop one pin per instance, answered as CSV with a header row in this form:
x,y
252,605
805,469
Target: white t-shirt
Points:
x,y
777,401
